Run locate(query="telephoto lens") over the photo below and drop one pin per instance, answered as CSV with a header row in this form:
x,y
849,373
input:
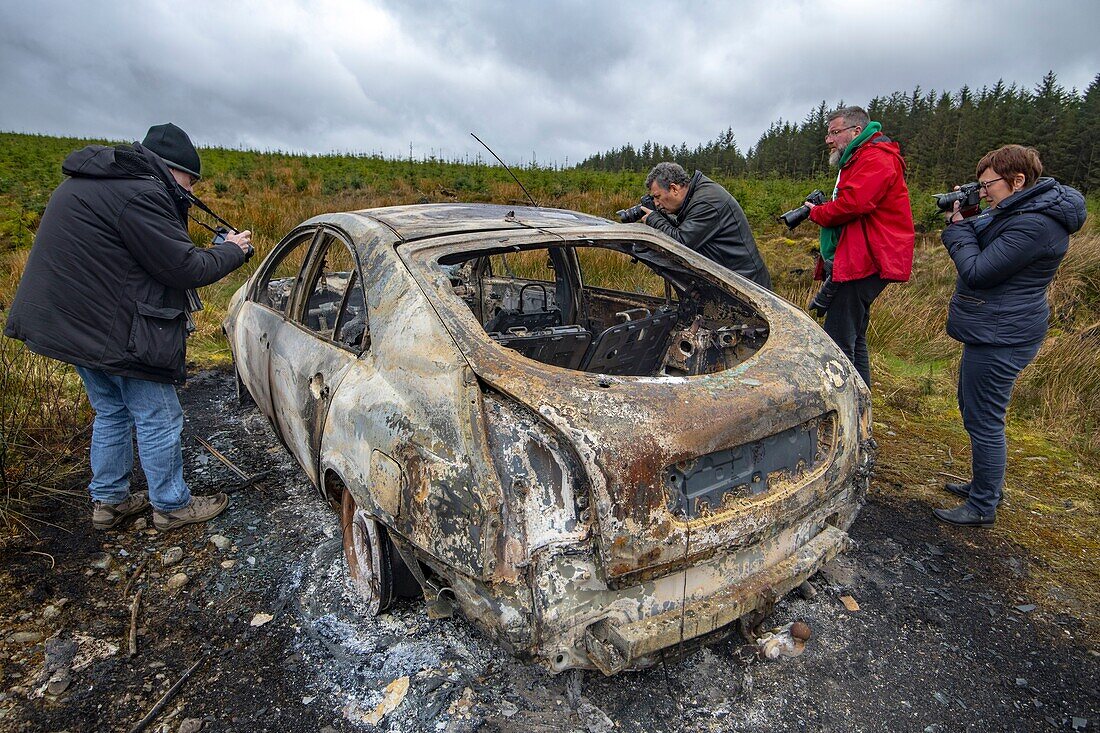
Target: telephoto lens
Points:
x,y
794,217
969,195
634,213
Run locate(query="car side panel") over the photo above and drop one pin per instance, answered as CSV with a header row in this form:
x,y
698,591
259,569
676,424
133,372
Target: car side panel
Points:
x,y
305,370
249,327
414,402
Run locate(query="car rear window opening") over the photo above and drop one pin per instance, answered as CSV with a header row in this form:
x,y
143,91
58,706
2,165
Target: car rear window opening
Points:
x,y
616,308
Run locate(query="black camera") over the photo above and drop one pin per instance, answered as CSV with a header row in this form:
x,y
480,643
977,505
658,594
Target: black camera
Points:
x,y
634,213
969,196
794,217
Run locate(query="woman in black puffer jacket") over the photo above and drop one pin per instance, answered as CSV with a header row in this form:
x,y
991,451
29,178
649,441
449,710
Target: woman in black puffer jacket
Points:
x,y
1006,257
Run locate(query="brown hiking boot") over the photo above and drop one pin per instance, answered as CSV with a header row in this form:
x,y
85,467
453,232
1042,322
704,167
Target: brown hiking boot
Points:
x,y
199,510
109,516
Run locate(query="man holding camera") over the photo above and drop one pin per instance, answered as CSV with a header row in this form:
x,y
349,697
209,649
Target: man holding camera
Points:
x,y
704,217
866,229
105,289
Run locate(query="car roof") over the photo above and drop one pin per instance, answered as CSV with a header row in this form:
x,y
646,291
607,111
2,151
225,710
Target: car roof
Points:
x,y
432,220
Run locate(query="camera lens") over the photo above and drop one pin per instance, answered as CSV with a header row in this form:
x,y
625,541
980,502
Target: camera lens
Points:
x,y
631,215
945,201
794,217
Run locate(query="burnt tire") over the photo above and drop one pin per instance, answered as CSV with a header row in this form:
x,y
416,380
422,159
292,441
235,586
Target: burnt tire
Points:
x,y
374,565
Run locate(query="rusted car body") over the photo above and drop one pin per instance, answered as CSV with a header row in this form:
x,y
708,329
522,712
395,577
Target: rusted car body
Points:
x,y
597,478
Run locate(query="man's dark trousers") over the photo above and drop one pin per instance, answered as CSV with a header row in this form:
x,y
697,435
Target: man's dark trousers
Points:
x,y
847,318
986,377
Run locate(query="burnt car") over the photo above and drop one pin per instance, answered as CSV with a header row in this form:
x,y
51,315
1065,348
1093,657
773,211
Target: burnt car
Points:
x,y
597,444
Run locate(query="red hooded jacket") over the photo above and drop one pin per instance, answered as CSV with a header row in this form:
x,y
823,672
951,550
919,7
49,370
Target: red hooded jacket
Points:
x,y
872,209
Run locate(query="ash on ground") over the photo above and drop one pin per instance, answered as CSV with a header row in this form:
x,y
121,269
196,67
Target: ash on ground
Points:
x,y
919,628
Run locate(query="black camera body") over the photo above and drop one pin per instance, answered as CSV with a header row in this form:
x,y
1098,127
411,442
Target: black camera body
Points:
x,y
794,217
634,213
969,196
219,237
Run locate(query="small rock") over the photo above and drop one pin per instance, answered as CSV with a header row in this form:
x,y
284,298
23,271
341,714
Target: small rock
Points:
x,y
100,560
50,612
140,524
177,581
59,682
227,564
171,556
25,637
1079,723
250,560
1021,682
1025,608
260,619
59,653
220,541
114,576
191,725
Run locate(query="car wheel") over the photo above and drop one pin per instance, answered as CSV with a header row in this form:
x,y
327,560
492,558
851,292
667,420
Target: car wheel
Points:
x,y
369,555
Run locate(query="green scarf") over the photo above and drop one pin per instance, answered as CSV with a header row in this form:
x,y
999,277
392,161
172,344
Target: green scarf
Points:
x,y
831,235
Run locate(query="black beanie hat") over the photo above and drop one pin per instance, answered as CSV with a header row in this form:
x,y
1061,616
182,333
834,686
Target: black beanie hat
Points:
x,y
172,144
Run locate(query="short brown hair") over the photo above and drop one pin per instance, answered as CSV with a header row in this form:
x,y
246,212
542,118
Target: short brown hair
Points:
x,y
1010,160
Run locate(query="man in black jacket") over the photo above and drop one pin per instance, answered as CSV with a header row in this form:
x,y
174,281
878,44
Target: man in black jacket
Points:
x,y
105,289
706,218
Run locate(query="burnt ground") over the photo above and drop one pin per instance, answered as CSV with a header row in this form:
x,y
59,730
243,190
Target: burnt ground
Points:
x,y
943,640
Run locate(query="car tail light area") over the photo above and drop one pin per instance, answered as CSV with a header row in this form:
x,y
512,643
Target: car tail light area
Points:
x,y
725,479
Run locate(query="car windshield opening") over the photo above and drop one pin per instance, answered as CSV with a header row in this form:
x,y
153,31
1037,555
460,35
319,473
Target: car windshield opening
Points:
x,y
607,307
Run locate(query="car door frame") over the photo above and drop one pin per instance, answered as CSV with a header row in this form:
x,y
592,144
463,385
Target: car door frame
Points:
x,y
305,367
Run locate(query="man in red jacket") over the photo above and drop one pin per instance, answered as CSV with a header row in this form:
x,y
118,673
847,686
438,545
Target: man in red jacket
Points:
x,y
867,229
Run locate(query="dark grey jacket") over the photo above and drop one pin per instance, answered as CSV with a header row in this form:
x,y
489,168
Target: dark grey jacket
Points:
x,y
1006,258
712,223
106,280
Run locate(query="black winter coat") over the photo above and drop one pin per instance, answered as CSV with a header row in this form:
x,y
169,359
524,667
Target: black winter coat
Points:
x,y
711,222
1006,258
106,281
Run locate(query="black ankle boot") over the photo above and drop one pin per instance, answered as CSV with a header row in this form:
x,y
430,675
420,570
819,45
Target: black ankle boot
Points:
x,y
960,490
964,516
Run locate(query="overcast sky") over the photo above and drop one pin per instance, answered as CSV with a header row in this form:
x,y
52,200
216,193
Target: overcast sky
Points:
x,y
555,79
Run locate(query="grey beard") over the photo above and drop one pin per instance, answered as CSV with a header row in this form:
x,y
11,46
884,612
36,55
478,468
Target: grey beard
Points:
x,y
834,158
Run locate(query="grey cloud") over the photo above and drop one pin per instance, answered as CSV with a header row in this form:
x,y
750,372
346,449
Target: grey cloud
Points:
x,y
557,79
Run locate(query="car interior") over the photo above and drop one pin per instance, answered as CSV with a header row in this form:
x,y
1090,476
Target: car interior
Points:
x,y
610,307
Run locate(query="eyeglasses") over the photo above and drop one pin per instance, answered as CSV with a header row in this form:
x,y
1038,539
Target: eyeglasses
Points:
x,y
834,133
987,184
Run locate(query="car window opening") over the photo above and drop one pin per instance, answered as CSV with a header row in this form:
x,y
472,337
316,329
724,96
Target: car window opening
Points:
x,y
609,308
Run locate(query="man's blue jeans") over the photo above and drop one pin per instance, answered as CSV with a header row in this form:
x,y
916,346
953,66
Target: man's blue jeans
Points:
x,y
986,377
121,404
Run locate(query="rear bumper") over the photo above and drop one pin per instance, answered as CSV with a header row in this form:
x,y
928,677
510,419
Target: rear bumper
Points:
x,y
612,646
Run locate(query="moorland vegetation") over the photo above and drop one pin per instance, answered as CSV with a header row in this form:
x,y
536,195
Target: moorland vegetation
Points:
x,y
1054,427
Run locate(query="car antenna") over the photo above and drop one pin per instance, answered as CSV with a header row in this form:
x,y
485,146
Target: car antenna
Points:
x,y
529,196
